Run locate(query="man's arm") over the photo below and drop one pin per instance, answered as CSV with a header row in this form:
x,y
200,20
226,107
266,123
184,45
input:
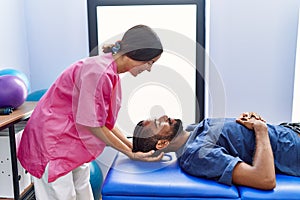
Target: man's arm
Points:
x,y
261,174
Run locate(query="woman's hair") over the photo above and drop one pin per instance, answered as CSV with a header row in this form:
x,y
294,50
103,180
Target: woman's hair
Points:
x,y
139,43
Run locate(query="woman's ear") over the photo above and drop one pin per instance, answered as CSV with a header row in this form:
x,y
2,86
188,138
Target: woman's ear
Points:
x,y
162,144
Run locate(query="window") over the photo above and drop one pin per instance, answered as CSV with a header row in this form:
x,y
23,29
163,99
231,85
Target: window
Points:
x,y
175,85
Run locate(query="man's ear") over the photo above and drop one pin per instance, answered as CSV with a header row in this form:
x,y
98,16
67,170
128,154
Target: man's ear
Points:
x,y
162,144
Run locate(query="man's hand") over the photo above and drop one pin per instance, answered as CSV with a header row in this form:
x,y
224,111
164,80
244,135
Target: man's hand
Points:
x,y
251,120
146,156
249,115
261,173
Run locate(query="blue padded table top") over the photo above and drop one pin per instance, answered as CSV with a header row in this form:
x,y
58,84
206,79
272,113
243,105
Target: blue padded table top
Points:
x,y
132,180
287,188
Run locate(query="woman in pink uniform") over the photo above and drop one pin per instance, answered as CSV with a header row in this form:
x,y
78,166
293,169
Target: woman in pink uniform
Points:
x,y
75,119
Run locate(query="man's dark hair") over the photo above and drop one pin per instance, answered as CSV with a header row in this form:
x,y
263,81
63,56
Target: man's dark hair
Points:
x,y
145,140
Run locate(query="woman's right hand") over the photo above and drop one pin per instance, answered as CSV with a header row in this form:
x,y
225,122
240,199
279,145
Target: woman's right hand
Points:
x,y
148,156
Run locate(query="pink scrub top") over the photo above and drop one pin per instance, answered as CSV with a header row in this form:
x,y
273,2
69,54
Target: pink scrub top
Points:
x,y
86,94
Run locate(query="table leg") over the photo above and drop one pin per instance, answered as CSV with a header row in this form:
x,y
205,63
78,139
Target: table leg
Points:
x,y
14,165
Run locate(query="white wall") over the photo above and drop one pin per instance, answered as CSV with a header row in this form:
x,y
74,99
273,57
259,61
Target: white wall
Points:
x,y
252,47
57,37
42,38
296,96
13,42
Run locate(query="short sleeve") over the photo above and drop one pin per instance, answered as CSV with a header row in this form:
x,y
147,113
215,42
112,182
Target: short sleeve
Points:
x,y
93,100
212,162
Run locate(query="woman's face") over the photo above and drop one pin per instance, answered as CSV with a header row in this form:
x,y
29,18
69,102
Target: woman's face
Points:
x,y
140,66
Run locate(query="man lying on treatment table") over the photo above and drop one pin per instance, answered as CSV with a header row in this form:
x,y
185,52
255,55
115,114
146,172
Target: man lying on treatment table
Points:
x,y
244,151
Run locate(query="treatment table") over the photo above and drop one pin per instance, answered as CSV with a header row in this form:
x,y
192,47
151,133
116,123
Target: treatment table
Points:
x,y
135,180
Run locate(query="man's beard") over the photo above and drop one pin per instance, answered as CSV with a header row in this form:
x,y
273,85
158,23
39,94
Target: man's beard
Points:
x,y
177,130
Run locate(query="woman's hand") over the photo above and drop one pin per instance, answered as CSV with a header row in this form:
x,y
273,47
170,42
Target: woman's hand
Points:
x,y
146,156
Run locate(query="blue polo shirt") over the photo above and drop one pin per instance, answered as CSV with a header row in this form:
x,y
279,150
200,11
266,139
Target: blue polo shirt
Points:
x,y
215,146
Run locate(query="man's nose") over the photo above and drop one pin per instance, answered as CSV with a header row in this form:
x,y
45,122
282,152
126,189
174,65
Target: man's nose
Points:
x,y
149,68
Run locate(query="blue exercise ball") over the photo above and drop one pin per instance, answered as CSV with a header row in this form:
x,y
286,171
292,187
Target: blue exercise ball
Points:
x,y
96,179
17,73
36,95
13,91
